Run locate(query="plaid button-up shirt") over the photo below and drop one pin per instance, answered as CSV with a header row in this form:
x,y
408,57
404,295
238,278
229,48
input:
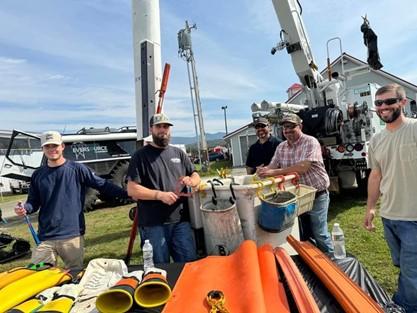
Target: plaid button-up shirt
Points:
x,y
306,148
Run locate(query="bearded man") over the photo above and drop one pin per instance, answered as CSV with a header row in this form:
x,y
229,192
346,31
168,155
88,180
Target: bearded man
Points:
x,y
156,173
393,163
262,151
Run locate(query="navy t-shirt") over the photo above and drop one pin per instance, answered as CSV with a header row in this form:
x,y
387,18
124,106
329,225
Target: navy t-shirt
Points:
x,y
160,169
59,193
261,154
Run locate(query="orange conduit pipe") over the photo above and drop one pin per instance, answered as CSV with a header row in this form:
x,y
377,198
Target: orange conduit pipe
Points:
x,y
273,289
348,294
298,287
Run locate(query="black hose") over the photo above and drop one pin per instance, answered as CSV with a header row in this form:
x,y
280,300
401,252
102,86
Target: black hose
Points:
x,y
332,121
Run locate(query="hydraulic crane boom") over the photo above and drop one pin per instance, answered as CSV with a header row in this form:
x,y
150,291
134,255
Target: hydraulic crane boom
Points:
x,y
295,40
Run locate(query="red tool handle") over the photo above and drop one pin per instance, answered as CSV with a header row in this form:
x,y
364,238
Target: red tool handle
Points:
x,y
163,88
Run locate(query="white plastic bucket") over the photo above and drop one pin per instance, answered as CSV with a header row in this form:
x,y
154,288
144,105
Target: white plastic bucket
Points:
x,y
244,192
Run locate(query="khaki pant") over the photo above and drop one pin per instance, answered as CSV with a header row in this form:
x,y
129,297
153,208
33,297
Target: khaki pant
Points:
x,y
70,250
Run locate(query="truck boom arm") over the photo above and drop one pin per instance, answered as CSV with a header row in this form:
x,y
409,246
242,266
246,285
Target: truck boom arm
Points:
x,y
294,38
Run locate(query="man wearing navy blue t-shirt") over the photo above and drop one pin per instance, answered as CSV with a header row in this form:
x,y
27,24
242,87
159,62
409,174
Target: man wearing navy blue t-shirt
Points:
x,y
57,190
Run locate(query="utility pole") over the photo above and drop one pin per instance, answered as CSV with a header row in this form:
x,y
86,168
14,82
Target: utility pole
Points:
x,y
185,51
224,108
147,61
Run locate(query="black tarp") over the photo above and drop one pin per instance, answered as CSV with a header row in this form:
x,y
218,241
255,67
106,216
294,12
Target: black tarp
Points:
x,y
12,248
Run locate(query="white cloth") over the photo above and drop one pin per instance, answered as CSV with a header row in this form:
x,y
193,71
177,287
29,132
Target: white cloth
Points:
x,y
69,290
100,275
137,274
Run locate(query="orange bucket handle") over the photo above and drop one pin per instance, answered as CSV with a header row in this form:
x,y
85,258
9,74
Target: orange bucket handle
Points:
x,y
280,185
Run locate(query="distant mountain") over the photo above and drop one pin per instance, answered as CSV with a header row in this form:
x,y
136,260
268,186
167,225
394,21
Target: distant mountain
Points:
x,y
192,140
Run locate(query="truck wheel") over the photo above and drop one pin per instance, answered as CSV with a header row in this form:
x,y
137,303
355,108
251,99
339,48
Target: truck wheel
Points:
x,y
91,197
119,173
119,178
132,212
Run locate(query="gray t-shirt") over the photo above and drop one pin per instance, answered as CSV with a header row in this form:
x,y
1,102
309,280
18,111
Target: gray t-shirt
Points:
x,y
160,169
394,154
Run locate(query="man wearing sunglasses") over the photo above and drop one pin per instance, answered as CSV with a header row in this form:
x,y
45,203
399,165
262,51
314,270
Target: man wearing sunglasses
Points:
x,y
301,153
393,162
262,151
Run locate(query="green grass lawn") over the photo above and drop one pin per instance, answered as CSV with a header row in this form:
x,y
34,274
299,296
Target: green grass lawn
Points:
x,y
108,232
107,235
369,247
18,197
214,166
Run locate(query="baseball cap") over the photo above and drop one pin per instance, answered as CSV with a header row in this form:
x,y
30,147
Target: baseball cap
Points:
x,y
261,120
51,138
291,118
160,118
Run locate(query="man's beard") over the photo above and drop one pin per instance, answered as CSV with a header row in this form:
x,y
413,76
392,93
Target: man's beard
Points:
x,y
395,114
161,142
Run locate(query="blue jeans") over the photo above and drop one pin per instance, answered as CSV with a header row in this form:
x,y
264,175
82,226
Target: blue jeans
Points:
x,y
167,240
401,237
317,224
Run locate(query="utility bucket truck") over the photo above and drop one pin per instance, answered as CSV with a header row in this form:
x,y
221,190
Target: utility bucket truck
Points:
x,y
340,114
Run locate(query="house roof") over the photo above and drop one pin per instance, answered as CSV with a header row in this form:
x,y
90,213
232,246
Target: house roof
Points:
x,y
295,86
237,131
382,72
360,63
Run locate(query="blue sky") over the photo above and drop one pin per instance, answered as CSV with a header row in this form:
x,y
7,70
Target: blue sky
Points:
x,y
68,64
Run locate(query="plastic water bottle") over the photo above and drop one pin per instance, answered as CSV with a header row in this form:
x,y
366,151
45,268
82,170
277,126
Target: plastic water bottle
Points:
x,y
338,242
147,251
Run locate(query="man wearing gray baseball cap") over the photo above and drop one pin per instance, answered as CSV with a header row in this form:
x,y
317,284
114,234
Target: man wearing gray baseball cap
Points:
x,y
301,153
158,177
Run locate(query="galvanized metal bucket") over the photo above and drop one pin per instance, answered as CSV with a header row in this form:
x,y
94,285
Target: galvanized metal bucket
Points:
x,y
222,229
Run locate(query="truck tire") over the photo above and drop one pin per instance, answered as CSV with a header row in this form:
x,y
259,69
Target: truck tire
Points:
x,y
91,197
118,176
119,173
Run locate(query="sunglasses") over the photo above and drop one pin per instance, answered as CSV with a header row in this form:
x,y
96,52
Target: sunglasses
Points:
x,y
257,126
388,101
289,126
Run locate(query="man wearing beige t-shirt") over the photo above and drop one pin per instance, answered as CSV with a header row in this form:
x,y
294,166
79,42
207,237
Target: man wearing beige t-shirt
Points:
x,y
393,162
